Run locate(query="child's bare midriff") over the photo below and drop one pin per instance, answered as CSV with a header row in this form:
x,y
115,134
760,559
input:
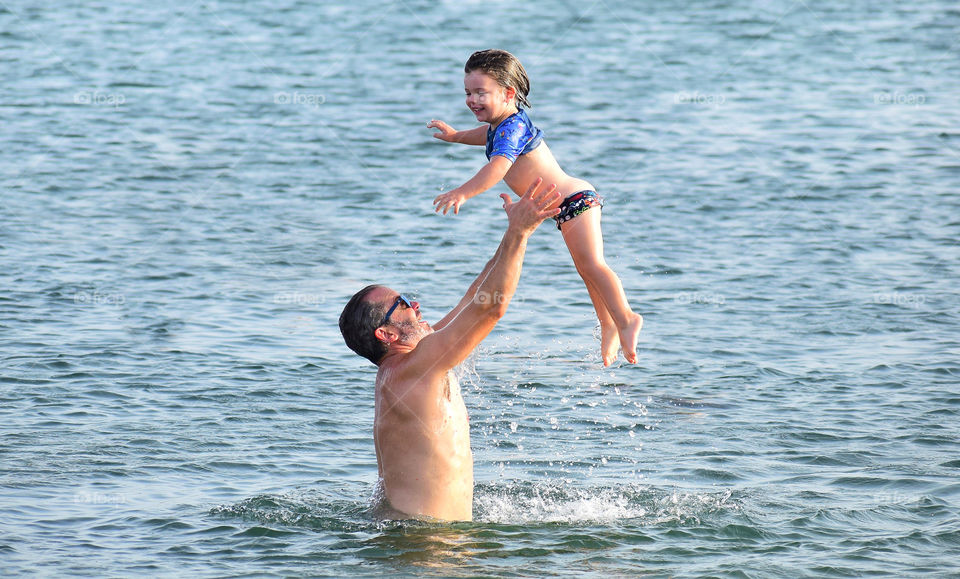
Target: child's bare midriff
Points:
x,y
541,163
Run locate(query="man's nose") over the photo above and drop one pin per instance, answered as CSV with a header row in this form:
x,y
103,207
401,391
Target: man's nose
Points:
x,y
415,305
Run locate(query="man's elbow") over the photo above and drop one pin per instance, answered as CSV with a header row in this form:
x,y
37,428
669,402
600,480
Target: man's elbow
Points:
x,y
493,306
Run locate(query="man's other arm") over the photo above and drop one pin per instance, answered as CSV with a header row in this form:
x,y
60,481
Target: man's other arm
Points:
x,y
488,297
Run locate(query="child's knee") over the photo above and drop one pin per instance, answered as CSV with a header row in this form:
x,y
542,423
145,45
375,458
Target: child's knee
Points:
x,y
592,268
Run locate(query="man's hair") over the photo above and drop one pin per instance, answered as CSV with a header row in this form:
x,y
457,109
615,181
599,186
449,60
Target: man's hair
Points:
x,y
502,67
358,321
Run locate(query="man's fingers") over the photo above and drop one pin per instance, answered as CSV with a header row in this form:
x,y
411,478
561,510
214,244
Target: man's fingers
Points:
x,y
549,196
545,197
554,197
532,190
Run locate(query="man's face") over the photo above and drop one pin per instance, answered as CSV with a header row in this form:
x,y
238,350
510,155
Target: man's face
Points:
x,y
406,320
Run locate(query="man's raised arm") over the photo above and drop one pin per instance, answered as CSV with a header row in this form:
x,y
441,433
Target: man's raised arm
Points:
x,y
489,295
471,292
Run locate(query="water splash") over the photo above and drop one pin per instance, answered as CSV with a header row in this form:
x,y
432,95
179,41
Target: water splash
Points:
x,y
501,503
552,502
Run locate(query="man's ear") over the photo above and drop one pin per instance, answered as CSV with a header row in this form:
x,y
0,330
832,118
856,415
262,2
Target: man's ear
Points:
x,y
385,335
511,94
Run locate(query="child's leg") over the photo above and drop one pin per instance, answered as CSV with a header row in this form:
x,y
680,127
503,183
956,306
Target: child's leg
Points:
x,y
585,241
609,337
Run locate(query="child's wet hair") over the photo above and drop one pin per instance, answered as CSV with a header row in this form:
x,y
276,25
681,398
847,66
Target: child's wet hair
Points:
x,y
502,67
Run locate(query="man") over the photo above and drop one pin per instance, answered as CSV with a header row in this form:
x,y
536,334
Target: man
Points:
x,y
420,429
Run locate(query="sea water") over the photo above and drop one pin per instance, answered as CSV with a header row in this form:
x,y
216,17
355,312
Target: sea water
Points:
x,y
192,190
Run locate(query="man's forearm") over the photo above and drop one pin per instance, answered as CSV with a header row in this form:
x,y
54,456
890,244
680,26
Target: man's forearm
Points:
x,y
490,293
499,284
465,328
472,292
496,284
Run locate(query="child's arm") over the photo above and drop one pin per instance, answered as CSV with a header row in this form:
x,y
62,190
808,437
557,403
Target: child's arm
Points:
x,y
477,136
491,174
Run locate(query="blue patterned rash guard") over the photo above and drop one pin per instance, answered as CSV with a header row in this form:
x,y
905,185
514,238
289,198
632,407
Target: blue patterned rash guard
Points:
x,y
515,136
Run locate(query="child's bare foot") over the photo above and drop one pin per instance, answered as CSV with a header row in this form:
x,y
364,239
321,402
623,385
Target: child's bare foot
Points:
x,y
628,338
609,343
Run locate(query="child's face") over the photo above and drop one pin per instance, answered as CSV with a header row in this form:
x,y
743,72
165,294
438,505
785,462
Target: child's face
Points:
x,y
490,102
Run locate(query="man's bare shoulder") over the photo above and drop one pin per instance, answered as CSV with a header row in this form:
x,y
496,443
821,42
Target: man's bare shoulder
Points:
x,y
427,361
418,372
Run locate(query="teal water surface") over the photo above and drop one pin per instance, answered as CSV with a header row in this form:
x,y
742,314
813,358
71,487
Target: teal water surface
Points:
x,y
192,190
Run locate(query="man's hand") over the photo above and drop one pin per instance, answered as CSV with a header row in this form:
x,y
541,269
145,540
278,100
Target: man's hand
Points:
x,y
535,206
449,200
446,131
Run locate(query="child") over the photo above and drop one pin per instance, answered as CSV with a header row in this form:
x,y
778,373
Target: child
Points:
x,y
497,85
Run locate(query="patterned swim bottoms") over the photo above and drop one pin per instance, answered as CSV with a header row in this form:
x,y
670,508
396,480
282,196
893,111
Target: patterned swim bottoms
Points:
x,y
576,204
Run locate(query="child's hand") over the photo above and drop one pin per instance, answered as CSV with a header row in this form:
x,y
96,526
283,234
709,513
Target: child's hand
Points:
x,y
449,200
446,131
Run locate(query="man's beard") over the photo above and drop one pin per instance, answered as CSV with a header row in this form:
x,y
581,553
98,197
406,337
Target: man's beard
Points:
x,y
412,332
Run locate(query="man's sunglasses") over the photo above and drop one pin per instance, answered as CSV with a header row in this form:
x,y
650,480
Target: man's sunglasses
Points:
x,y
401,299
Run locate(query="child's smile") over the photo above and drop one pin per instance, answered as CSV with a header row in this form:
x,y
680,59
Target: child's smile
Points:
x,y
489,102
